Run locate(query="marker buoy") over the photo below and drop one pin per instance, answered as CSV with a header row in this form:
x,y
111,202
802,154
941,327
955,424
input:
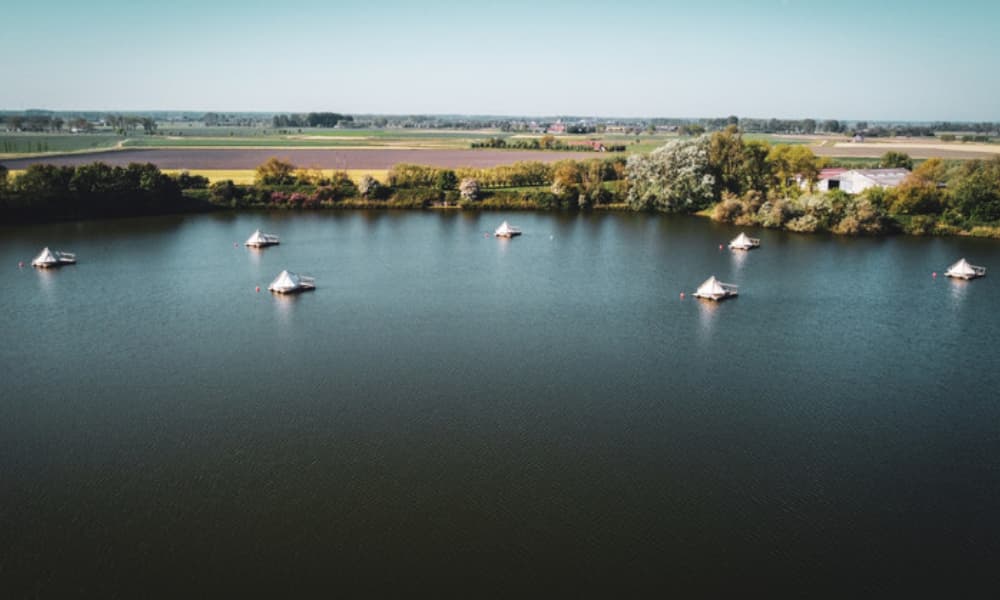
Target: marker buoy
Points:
x,y
934,274
20,264
258,288
720,246
682,295
236,245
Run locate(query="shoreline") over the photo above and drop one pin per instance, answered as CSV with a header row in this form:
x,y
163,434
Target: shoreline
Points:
x,y
614,208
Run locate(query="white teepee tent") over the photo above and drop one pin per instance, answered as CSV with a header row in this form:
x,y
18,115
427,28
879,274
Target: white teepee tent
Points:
x,y
45,258
744,242
713,289
287,282
505,230
49,258
963,270
261,239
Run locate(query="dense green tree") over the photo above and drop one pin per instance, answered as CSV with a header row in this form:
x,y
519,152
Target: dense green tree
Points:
x,y
932,170
275,172
725,154
896,160
445,179
976,191
791,162
755,170
916,196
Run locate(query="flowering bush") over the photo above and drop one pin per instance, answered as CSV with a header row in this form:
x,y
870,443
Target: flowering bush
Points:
x,y
673,178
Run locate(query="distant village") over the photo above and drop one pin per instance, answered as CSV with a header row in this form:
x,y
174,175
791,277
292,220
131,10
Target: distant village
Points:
x,y
37,120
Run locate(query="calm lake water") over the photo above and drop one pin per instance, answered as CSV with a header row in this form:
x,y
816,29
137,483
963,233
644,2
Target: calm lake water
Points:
x,y
449,411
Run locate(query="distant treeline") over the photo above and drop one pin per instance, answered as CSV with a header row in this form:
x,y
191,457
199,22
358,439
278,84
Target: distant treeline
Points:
x,y
48,192
529,185
546,142
313,119
47,122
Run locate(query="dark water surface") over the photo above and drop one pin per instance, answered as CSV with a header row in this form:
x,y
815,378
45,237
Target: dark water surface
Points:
x,y
452,412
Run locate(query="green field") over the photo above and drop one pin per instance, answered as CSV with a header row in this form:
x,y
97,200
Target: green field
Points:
x,y
174,136
39,143
775,139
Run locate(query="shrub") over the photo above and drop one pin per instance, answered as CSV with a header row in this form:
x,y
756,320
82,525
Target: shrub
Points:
x,y
775,214
415,198
728,210
275,172
806,223
920,225
469,189
187,181
368,186
985,231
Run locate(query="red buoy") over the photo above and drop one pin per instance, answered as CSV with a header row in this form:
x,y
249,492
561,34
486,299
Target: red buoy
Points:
x,y
720,246
682,295
934,274
258,288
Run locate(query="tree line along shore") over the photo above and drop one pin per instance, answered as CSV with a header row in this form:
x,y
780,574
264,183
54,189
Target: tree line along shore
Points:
x,y
721,175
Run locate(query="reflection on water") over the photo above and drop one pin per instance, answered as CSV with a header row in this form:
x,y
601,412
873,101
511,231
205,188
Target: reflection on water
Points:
x,y
47,282
504,245
959,290
284,307
255,255
706,316
738,258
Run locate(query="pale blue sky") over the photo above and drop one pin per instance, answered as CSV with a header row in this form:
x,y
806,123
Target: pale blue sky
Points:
x,y
853,59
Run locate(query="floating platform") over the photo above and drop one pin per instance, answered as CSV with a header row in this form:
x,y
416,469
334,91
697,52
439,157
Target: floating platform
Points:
x,y
963,270
291,283
715,290
506,231
744,242
49,258
262,240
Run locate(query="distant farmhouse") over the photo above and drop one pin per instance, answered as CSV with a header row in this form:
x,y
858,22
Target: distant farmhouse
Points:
x,y
558,127
855,181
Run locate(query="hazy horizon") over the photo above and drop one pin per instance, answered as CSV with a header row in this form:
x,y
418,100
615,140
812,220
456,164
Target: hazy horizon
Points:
x,y
900,61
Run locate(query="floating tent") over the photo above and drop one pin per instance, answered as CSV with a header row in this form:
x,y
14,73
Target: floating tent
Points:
x,y
713,289
963,270
744,242
258,239
48,258
505,230
288,283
